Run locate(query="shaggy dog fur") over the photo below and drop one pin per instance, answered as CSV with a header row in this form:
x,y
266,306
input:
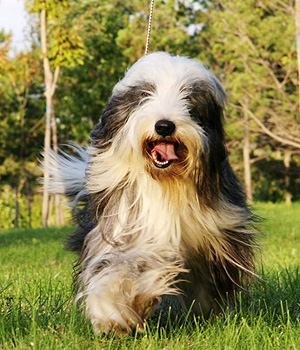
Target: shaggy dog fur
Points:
x,y
162,218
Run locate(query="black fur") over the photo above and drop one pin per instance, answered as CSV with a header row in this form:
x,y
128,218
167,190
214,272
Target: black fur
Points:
x,y
122,104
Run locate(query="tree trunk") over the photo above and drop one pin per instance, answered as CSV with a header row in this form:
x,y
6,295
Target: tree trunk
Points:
x,y
246,157
29,201
17,207
47,146
297,22
59,217
50,85
286,162
22,157
50,216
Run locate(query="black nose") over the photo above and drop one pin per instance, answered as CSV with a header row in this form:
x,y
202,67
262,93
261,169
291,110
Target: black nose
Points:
x,y
165,127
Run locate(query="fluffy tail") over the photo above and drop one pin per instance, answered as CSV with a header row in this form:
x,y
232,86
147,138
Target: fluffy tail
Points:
x,y
67,173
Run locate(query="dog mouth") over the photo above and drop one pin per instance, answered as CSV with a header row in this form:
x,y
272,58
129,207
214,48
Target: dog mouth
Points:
x,y
162,153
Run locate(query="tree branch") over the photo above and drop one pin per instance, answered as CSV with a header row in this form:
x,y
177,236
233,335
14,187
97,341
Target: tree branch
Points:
x,y
55,78
260,60
269,132
47,68
257,159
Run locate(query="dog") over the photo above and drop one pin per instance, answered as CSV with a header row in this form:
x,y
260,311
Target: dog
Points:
x,y
163,224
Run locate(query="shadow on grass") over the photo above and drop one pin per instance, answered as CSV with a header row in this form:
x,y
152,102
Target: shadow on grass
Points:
x,y
274,299
276,294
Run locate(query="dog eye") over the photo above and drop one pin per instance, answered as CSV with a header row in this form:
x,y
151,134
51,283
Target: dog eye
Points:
x,y
196,116
145,93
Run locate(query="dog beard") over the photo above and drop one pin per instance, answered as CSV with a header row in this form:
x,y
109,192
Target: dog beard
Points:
x,y
162,218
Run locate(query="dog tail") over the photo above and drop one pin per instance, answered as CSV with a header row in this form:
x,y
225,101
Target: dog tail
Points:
x,y
67,173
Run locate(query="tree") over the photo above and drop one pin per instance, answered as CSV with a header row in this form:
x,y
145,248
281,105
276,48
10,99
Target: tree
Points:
x,y
259,67
66,49
173,28
87,87
17,81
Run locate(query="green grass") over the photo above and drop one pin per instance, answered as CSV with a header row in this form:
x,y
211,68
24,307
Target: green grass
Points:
x,y
37,309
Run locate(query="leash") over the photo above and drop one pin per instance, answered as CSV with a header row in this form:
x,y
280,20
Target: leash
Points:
x,y
149,27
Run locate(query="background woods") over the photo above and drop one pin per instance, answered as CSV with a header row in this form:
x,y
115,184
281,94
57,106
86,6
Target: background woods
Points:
x,y
55,91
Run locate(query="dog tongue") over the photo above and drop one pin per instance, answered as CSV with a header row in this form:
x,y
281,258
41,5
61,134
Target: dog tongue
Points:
x,y
166,150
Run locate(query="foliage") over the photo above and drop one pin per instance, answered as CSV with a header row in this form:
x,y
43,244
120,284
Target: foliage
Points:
x,y
87,88
65,48
269,179
171,28
257,64
37,309
20,113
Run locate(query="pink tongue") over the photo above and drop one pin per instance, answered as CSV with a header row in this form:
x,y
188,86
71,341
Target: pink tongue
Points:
x,y
166,150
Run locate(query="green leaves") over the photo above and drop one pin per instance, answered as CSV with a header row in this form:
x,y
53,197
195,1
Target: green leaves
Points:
x,y
170,28
65,45
54,8
67,49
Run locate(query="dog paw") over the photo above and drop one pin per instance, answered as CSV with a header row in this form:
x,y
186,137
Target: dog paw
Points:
x,y
122,318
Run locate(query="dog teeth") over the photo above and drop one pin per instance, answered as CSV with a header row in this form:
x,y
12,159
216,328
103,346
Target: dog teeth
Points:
x,y
159,162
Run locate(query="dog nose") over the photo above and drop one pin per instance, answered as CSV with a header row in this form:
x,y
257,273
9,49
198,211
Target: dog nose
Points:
x,y
164,127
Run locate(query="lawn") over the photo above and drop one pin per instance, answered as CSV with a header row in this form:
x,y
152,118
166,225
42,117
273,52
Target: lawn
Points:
x,y
37,309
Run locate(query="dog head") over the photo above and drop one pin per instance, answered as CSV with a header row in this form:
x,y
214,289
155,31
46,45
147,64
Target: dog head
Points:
x,y
164,117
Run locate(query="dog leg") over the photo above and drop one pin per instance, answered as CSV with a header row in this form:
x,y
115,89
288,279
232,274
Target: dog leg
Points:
x,y
123,294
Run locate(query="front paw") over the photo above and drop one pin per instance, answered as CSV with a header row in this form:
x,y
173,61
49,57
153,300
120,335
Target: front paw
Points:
x,y
119,316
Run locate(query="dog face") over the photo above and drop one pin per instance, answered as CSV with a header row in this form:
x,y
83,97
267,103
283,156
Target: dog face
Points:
x,y
166,118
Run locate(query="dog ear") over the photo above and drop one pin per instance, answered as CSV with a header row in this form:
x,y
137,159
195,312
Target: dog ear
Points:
x,y
117,111
110,122
217,147
206,109
219,91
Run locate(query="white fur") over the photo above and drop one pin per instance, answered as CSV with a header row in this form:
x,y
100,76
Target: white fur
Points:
x,y
168,71
67,172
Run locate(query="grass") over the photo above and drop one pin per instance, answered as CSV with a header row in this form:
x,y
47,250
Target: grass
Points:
x,y
37,309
